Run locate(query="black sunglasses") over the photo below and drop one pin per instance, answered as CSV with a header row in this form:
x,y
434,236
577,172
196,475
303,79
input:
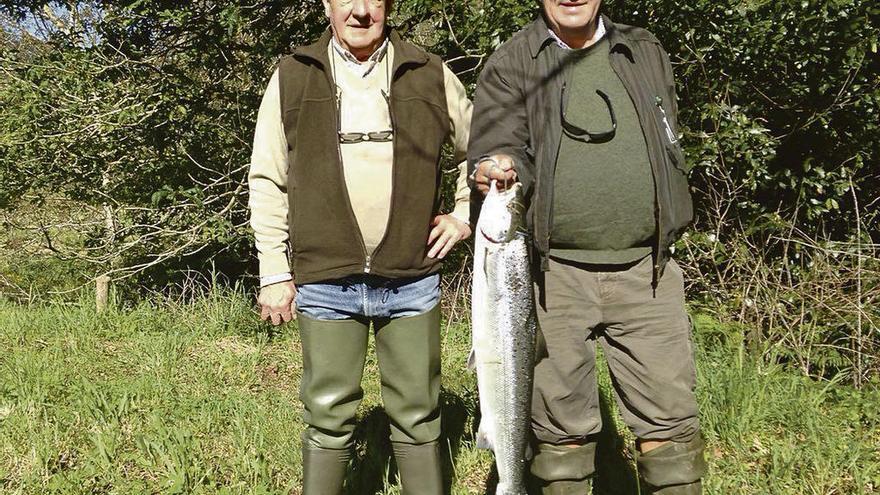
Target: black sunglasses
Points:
x,y
582,135
360,137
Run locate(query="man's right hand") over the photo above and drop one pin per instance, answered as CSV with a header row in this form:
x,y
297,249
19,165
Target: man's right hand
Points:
x,y
277,302
495,167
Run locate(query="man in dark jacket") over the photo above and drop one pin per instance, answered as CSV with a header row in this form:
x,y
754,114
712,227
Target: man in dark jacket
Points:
x,y
344,195
582,112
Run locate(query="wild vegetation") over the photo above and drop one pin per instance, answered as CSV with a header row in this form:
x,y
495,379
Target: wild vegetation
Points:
x,y
170,396
133,120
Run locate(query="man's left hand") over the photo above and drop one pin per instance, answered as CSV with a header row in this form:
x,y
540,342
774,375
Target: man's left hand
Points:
x,y
447,232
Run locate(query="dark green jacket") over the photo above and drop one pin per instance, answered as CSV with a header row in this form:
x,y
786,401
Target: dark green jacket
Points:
x,y
325,238
517,112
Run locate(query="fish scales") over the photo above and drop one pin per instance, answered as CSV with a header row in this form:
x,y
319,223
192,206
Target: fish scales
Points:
x,y
504,335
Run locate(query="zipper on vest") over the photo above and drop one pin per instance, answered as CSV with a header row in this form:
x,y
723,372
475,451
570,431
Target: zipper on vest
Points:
x,y
656,278
393,178
357,227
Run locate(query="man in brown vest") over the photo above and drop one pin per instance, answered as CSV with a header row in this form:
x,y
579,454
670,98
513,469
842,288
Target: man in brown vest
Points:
x,y
582,112
344,200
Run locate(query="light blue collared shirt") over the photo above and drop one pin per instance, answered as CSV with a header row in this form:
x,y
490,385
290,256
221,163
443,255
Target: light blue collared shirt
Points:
x,y
600,33
351,62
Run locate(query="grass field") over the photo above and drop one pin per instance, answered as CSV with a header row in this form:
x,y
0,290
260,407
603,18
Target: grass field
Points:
x,y
199,397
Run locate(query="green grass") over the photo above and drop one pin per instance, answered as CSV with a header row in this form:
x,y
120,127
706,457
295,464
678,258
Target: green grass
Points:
x,y
199,397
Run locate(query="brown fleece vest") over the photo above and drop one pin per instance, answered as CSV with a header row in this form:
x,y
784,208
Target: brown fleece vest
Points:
x,y
326,242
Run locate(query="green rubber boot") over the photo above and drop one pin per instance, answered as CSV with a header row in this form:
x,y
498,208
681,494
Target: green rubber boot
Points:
x,y
334,352
695,488
408,350
674,468
419,467
564,487
324,470
564,470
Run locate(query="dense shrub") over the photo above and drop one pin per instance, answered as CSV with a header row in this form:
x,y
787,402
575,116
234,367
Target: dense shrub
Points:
x,y
143,113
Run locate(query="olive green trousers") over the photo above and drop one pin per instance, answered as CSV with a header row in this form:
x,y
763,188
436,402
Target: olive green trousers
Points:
x,y
645,336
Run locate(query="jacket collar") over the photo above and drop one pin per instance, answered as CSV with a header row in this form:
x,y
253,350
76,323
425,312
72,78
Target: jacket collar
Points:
x,y
404,53
538,35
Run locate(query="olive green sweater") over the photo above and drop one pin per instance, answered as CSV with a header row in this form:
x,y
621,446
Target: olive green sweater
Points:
x,y
603,201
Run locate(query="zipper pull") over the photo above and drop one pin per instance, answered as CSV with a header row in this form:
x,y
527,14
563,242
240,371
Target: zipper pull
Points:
x,y
367,265
669,134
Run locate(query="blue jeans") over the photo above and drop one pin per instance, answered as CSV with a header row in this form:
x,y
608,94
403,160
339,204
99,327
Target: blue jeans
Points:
x,y
368,296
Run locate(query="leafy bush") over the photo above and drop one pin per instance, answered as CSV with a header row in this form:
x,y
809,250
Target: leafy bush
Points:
x,y
143,111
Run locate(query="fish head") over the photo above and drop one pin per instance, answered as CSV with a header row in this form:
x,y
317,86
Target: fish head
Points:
x,y
502,213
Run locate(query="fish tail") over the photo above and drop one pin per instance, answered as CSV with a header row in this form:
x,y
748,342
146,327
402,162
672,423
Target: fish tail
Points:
x,y
485,440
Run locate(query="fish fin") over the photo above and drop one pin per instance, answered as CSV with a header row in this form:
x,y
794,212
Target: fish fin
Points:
x,y
472,360
530,452
483,439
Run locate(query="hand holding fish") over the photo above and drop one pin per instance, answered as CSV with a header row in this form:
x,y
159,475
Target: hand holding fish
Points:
x,y
496,167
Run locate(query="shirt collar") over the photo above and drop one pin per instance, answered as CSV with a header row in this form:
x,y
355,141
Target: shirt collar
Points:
x,y
598,35
363,68
538,36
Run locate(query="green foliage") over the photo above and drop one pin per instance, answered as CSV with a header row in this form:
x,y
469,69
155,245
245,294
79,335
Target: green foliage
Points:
x,y
769,429
783,96
145,110
152,120
33,279
463,33
779,98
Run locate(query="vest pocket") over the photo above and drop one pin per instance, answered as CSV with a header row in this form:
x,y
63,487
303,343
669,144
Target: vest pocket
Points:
x,y
420,124
290,118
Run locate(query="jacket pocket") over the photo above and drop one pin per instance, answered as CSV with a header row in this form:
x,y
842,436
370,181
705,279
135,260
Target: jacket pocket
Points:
x,y
676,156
670,139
